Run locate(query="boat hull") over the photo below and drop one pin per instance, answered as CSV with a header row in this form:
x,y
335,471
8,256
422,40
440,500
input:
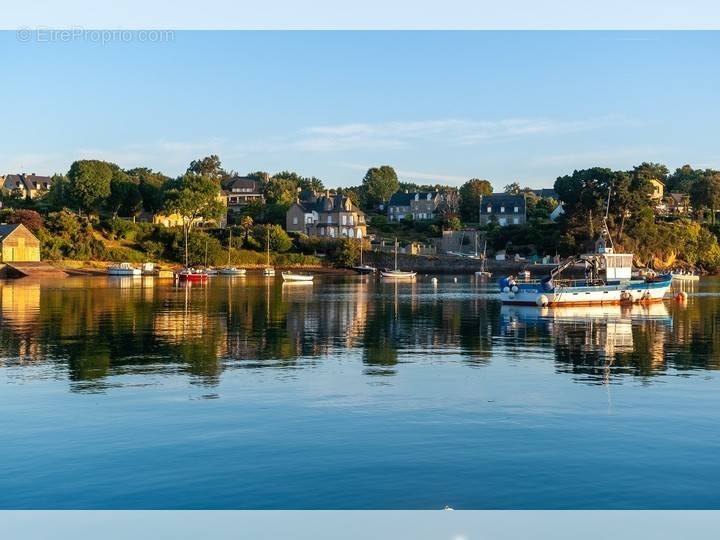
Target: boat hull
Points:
x,y
364,270
613,293
398,275
296,277
232,272
124,272
193,278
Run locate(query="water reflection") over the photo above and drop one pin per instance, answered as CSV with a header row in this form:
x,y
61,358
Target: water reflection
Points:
x,y
91,329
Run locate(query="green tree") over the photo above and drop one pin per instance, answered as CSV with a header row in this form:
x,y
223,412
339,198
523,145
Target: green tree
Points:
x,y
279,239
705,193
683,179
281,191
347,252
125,197
89,183
470,194
512,189
194,198
210,167
380,183
150,184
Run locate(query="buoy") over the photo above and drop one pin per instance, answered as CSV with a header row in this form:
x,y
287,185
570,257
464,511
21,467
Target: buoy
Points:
x,y
506,289
514,288
542,300
511,294
455,280
681,296
434,280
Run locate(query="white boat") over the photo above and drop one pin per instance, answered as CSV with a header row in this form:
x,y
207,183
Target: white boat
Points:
x,y
363,268
608,280
682,276
396,273
294,276
482,273
231,271
123,269
268,270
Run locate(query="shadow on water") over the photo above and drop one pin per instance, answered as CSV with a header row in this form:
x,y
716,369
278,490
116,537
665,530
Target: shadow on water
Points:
x,y
90,330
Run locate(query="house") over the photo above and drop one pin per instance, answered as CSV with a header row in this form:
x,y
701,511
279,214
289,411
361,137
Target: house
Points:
x,y
241,190
658,189
545,193
675,204
503,209
334,216
27,185
420,205
18,244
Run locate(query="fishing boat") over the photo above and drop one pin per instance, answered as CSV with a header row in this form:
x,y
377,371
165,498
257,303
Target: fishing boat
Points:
x,y
231,270
123,269
363,268
608,280
396,273
296,276
268,270
482,273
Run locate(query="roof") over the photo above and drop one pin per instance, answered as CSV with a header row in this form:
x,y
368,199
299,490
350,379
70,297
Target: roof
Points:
x,y
499,200
548,193
240,182
25,181
679,198
402,198
329,204
6,229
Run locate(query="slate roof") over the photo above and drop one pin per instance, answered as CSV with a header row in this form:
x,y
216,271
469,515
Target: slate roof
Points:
x,y
240,182
549,193
499,200
328,204
7,228
26,181
400,198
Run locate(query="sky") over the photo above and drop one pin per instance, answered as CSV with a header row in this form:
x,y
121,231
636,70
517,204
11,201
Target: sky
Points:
x,y
440,107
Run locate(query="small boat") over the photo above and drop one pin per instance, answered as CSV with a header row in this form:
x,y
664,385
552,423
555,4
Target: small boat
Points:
x,y
295,276
231,271
123,269
396,273
524,275
191,274
482,273
684,276
210,271
268,270
363,268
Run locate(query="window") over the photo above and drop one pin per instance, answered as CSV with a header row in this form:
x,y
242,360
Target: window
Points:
x,y
502,209
344,220
329,218
517,209
322,232
516,220
502,222
295,220
489,209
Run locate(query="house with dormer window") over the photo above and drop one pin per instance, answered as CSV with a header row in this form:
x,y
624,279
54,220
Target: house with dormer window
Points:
x,y
503,209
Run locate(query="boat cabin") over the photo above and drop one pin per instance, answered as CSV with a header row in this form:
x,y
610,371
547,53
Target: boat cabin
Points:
x,y
614,266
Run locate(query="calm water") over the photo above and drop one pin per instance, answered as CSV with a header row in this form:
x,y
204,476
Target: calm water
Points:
x,y
352,393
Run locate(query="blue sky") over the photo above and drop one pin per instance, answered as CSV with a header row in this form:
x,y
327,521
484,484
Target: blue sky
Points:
x,y
438,106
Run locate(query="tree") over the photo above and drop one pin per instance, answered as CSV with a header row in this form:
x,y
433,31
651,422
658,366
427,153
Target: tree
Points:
x,y
89,183
282,191
30,218
380,183
194,198
512,189
59,194
150,184
209,167
279,239
470,194
125,197
705,193
650,171
683,179
246,225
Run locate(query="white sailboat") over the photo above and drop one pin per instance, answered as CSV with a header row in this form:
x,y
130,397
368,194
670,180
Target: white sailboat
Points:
x,y
268,270
231,270
396,273
482,273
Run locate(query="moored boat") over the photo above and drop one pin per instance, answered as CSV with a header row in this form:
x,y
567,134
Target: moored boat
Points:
x,y
191,274
296,276
608,280
123,269
684,276
231,271
363,268
397,273
268,270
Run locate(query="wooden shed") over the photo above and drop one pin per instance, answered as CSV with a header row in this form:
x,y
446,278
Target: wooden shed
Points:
x,y
18,244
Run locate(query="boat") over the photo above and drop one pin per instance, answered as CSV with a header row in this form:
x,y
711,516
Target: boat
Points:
x,y
268,270
608,280
482,273
524,274
231,270
192,275
363,268
295,276
684,276
210,271
123,269
396,273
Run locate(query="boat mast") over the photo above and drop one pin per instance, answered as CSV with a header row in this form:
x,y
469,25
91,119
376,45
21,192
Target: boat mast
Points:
x,y
396,248
268,246
229,247
482,264
361,243
206,247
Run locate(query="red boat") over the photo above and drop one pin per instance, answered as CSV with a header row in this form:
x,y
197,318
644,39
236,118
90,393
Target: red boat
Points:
x,y
188,274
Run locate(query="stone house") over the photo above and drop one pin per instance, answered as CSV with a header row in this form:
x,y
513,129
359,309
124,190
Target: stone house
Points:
x,y
421,205
503,209
28,185
333,216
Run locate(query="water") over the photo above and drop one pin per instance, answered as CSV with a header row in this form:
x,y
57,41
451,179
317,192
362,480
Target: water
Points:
x,y
352,393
